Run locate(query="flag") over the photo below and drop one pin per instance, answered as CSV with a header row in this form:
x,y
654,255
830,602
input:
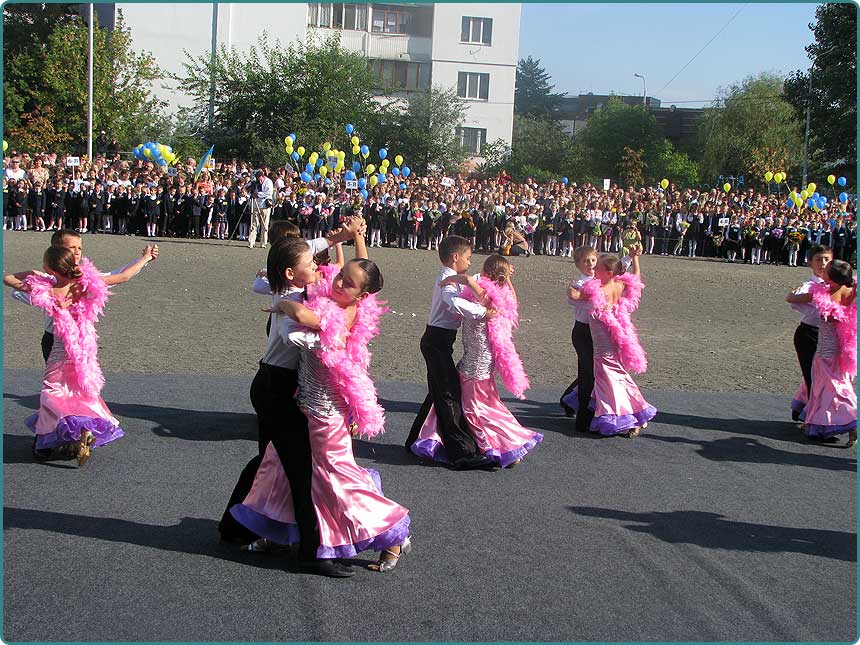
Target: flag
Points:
x,y
203,161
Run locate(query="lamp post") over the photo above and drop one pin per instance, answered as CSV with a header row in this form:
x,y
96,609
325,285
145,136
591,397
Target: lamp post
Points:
x,y
644,94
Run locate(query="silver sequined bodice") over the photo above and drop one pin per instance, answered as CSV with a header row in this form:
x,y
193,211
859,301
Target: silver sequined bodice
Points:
x,y
601,338
828,340
477,361
318,392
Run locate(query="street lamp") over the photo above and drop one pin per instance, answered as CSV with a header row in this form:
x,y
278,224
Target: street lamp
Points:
x,y
643,88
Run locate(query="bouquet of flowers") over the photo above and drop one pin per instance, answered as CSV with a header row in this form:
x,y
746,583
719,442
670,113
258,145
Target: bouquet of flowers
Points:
x,y
777,233
684,227
749,232
795,238
597,231
654,220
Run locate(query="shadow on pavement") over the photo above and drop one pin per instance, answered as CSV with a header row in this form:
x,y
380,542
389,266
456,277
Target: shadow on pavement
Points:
x,y
748,450
713,531
175,423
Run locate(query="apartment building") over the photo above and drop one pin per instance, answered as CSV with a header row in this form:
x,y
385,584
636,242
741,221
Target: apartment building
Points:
x,y
411,46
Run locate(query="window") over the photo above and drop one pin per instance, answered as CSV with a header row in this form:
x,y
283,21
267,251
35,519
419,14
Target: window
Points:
x,y
338,16
390,22
473,140
402,74
471,85
477,30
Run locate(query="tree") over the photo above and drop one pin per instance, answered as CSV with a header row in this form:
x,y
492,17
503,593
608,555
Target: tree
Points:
x,y
533,95
538,145
632,168
311,88
425,130
833,98
750,129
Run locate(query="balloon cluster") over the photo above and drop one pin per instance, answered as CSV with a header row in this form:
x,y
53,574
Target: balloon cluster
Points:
x,y
778,177
158,152
373,175
317,166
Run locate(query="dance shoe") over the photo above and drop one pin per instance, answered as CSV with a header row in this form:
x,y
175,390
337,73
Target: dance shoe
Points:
x,y
87,439
852,439
328,568
262,545
473,462
388,559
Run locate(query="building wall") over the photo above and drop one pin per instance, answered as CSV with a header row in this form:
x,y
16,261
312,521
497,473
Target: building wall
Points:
x,y
167,29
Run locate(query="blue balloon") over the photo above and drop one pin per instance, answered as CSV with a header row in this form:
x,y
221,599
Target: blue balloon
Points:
x,y
842,181
317,177
309,167
402,186
320,162
406,172
349,128
843,197
362,182
295,156
293,136
381,177
365,150
815,196
162,162
823,199
395,172
810,202
137,153
789,203
305,177
150,145
364,193
356,166
564,180
327,181
350,175
820,203
383,153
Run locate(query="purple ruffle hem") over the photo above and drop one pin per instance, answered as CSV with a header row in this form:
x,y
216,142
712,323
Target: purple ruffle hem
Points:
x,y
69,430
611,424
797,405
814,430
434,450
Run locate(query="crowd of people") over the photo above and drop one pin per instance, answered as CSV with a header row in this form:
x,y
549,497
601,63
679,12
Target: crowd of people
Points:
x,y
137,197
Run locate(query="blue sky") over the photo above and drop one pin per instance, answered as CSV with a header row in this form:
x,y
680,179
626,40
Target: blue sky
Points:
x,y
598,47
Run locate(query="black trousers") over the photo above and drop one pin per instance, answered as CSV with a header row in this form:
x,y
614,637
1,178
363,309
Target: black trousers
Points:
x,y
582,343
443,383
47,345
282,423
805,344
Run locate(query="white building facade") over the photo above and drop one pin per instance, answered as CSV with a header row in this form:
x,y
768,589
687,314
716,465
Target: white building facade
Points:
x,y
471,47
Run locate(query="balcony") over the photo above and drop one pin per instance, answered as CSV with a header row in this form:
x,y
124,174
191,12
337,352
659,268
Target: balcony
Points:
x,y
399,46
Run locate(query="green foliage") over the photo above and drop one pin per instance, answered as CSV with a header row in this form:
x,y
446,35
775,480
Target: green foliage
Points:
x,y
833,102
612,129
533,95
425,130
49,79
632,168
751,129
673,165
311,88
539,144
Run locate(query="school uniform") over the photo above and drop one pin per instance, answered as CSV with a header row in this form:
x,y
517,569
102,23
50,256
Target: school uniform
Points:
x,y
437,346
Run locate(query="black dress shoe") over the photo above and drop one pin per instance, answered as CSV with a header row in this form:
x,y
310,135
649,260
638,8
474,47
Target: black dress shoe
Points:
x,y
328,568
473,462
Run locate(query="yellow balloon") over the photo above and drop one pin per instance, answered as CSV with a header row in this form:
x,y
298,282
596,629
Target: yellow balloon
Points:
x,y
811,188
768,176
354,141
831,179
384,163
374,180
366,155
301,151
288,141
355,150
326,146
147,153
341,154
398,159
727,186
664,184
5,145
339,166
289,149
370,168
323,170
804,194
313,157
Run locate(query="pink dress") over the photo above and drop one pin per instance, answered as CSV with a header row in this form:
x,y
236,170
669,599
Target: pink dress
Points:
x,y
832,405
617,402
487,346
70,400
352,513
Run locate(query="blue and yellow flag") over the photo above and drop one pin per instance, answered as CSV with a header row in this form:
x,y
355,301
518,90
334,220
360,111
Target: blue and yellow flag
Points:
x,y
203,161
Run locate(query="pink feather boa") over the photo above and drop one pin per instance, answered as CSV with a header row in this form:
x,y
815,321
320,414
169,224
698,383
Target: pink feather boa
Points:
x,y
846,324
500,332
345,350
75,324
617,319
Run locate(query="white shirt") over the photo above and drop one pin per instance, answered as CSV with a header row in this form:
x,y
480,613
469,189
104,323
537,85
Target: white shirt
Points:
x,y
808,311
280,352
581,313
261,284
11,173
265,192
448,308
